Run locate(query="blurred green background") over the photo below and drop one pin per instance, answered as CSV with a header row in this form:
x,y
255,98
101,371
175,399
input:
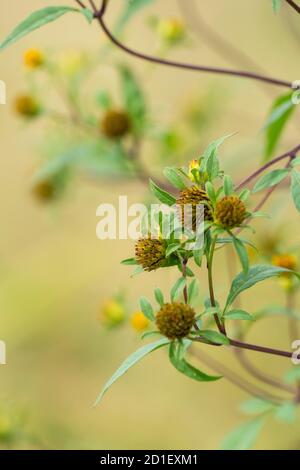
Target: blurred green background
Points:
x,y
55,274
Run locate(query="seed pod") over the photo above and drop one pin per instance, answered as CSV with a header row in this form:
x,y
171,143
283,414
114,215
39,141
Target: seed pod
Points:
x,y
189,203
115,124
230,212
150,253
175,320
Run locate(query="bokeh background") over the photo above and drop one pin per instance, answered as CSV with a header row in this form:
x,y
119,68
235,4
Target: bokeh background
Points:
x,y
55,274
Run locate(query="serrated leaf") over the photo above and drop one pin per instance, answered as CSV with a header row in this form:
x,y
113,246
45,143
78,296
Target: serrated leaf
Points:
x,y
238,314
161,195
177,288
295,188
36,20
281,111
256,273
244,436
176,351
214,336
159,296
146,308
270,179
175,178
131,361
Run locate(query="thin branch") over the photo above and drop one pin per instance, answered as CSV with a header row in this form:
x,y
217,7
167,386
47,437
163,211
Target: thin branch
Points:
x,y
80,3
186,66
291,153
293,5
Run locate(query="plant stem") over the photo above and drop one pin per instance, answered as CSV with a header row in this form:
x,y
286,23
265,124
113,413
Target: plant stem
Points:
x,y
293,5
291,153
182,65
80,3
220,325
185,291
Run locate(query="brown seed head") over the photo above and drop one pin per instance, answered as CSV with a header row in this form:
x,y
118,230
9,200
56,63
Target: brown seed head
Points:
x,y
230,211
115,124
150,253
175,320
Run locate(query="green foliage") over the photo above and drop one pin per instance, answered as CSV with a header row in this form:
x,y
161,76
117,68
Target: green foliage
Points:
x,y
175,177
295,189
161,195
214,336
177,289
129,10
279,116
131,361
133,98
271,179
159,296
276,5
176,355
244,436
37,20
146,308
238,314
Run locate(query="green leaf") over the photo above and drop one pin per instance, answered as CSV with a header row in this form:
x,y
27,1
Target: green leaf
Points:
x,y
131,8
171,248
295,188
129,262
281,111
198,254
242,254
256,273
209,162
159,296
292,375
270,179
177,360
214,336
162,195
88,14
295,161
34,21
146,308
193,290
175,178
131,361
178,288
227,185
276,5
238,315
243,437
244,194
133,99
287,412
256,406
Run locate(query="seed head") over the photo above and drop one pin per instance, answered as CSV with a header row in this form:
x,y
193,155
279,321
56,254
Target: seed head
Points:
x,y
189,201
115,124
150,253
33,58
45,191
230,211
27,106
175,320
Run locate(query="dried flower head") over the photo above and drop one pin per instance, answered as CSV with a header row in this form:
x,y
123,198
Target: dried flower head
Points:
x,y
230,211
33,58
139,322
27,106
190,202
150,253
175,320
45,190
115,124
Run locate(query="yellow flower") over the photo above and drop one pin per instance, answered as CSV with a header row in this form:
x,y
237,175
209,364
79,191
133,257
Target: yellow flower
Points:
x,y
194,165
33,58
285,261
171,30
112,313
72,62
139,322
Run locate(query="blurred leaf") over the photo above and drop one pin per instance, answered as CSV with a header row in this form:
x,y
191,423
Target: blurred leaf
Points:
x,y
270,179
89,14
281,111
131,361
287,412
293,375
256,273
209,161
34,21
133,98
243,437
276,5
175,177
131,7
172,248
227,185
177,288
256,406
104,99
176,353
159,296
162,195
146,308
295,188
193,290
238,315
